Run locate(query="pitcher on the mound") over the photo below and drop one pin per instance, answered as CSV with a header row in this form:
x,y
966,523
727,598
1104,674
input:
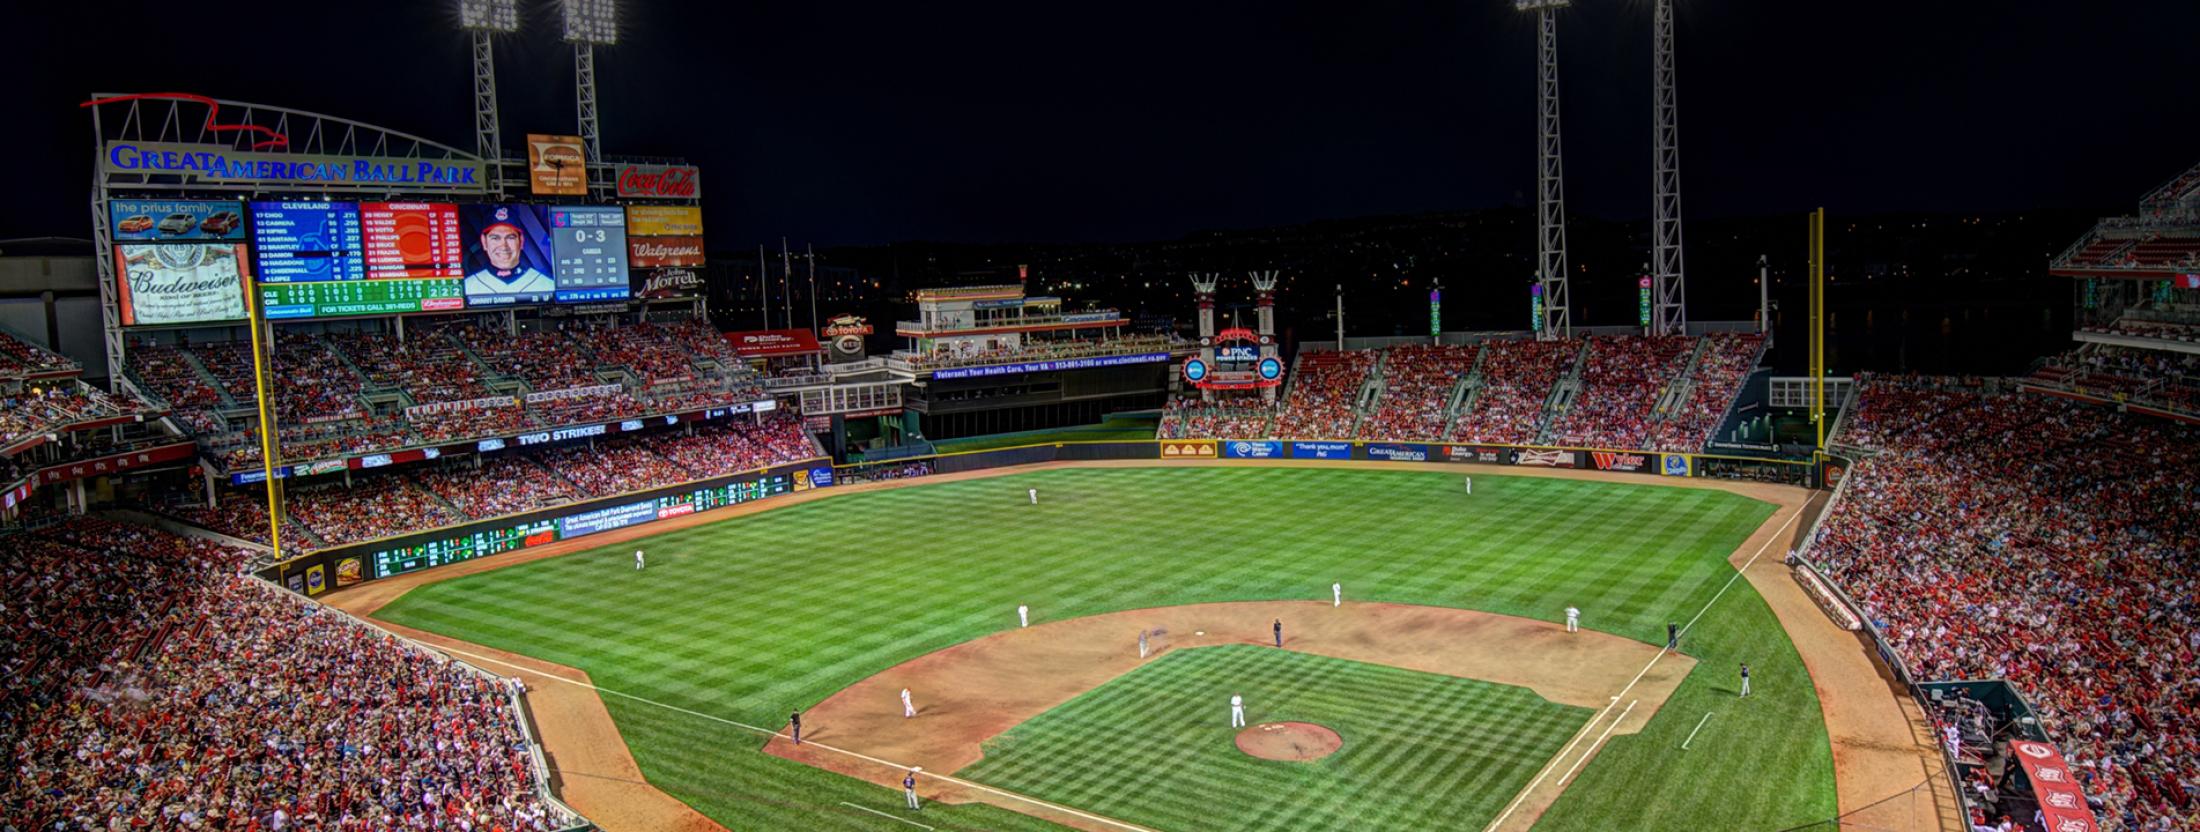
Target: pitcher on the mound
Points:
x,y
908,708
1237,711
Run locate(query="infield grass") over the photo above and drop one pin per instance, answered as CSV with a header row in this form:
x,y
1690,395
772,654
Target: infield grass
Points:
x,y
749,618
1154,746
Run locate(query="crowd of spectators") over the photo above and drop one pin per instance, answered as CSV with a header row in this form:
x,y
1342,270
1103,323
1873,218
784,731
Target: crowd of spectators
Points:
x,y
429,366
1227,417
311,384
243,515
368,508
1418,382
734,446
1728,358
23,359
546,359
1621,383
1323,401
1517,379
2047,542
1036,350
498,486
156,688
28,409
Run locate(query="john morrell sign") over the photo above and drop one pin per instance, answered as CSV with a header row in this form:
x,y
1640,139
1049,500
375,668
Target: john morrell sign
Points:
x,y
219,165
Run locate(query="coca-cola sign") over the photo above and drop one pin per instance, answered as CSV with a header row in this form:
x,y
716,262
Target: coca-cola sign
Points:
x,y
660,182
659,252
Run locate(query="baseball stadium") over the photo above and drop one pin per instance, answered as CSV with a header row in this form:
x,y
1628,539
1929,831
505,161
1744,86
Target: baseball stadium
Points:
x,y
367,482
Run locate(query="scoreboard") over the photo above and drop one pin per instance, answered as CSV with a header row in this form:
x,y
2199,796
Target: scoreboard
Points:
x,y
328,259
590,245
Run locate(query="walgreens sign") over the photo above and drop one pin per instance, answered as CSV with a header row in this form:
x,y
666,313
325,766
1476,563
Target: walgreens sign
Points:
x,y
660,182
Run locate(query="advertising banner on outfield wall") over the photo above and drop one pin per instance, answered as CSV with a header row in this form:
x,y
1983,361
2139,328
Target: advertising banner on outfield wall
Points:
x,y
1397,452
1620,461
1321,450
1252,449
1484,454
1675,465
1548,458
1188,449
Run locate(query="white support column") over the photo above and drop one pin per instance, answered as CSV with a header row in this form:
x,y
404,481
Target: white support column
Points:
x,y
1550,261
1669,293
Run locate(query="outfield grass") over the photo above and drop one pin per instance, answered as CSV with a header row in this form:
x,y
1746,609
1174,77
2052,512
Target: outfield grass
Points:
x,y
1120,426
1154,747
749,618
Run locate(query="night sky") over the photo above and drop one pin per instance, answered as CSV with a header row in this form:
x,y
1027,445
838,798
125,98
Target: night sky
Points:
x,y
853,123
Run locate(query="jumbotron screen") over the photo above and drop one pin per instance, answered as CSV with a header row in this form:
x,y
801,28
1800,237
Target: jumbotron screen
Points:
x,y
330,259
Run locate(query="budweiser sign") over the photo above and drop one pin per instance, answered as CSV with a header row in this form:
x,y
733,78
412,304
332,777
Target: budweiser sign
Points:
x,y
659,252
660,181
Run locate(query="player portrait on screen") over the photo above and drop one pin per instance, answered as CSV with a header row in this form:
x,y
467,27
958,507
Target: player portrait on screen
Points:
x,y
506,264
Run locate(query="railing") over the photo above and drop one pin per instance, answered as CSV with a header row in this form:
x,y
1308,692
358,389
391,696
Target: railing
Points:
x,y
912,361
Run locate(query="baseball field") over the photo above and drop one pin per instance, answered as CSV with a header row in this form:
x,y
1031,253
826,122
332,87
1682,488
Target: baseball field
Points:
x,y
1446,672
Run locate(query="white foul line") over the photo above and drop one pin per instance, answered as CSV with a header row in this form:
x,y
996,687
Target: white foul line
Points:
x,y
1699,727
814,744
1562,781
887,816
1553,762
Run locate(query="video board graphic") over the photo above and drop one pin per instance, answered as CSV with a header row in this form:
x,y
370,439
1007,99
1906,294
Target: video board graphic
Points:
x,y
508,255
166,220
179,283
590,245
411,239
295,242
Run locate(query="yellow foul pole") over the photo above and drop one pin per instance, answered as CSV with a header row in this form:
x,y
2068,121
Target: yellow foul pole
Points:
x,y
268,461
1818,324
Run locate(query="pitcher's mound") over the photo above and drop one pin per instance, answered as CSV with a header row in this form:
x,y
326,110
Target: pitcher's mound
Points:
x,y
1289,741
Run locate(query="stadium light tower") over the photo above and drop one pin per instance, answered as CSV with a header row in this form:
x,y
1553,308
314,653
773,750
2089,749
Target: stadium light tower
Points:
x,y
484,19
589,24
1550,197
1670,290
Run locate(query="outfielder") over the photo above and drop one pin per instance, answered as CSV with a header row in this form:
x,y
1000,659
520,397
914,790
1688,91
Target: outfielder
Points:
x,y
1336,595
909,787
1023,615
1470,486
1034,496
1573,620
908,708
1237,711
637,559
1745,678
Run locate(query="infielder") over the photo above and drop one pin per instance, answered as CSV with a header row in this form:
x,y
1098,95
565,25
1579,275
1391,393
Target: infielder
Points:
x,y
909,787
1336,595
908,708
795,719
1034,496
1745,678
1237,711
637,559
1023,615
1141,644
1573,620
1279,632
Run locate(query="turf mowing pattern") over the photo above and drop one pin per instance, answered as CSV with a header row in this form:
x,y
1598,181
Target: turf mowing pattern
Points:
x,y
750,618
1154,747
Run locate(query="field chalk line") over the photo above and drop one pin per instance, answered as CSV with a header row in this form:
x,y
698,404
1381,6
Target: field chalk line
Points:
x,y
1562,781
888,817
1553,762
769,732
1699,727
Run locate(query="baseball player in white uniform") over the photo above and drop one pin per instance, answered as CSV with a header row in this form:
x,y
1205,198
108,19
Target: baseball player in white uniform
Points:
x,y
1034,496
1336,595
637,558
1573,620
1141,644
1023,615
908,708
1237,711
1470,485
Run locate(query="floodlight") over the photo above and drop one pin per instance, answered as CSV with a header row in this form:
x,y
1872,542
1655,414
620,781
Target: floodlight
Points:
x,y
592,21
489,15
1540,5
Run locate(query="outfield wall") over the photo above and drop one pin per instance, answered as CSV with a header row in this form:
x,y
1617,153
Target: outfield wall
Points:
x,y
318,572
